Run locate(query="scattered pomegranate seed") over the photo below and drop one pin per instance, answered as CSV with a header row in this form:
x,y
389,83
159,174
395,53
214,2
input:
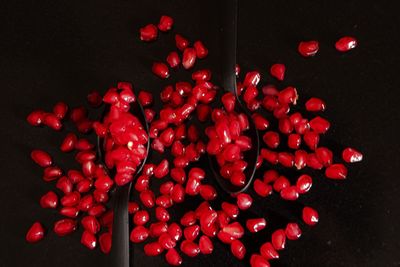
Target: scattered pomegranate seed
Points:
x,y
315,104
35,233
173,59
352,155
181,42
188,58
256,225
336,171
278,71
293,231
258,261
238,249
173,258
36,118
346,43
161,70
278,239
148,33
310,216
268,251
308,49
105,242
201,50
165,23
64,227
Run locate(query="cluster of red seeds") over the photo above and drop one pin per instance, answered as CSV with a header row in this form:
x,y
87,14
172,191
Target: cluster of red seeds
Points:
x,y
124,139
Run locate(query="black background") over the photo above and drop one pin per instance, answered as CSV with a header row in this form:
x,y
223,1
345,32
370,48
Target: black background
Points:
x,y
53,50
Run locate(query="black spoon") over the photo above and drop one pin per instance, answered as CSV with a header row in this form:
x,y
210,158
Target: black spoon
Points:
x,y
228,63
120,231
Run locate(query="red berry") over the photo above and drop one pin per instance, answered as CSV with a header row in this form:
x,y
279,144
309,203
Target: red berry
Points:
x,y
181,42
268,251
188,58
201,50
304,183
190,248
244,201
139,234
293,231
153,249
105,242
49,200
42,158
65,227
88,240
173,258
205,244
315,104
238,249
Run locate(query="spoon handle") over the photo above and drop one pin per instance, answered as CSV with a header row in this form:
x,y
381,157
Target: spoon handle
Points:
x,y
120,234
228,44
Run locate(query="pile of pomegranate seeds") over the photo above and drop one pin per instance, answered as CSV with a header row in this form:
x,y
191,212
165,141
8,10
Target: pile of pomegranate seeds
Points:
x,y
291,140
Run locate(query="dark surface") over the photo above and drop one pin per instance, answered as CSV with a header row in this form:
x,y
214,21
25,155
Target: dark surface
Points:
x,y
53,50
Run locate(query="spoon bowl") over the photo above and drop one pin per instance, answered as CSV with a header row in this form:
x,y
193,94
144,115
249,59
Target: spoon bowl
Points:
x,y
120,237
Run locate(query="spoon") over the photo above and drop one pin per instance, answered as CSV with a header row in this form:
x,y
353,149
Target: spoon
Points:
x,y
228,63
120,231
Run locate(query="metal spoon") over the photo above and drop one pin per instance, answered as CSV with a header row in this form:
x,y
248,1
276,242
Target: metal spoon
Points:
x,y
120,231
228,62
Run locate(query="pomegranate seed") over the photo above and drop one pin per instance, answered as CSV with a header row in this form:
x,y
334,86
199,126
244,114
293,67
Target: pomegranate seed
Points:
x,y
90,224
207,192
319,125
64,227
105,242
230,209
139,234
315,104
188,219
281,183
153,249
278,71
346,43
35,233
304,183
300,159
188,58
324,155
60,110
49,200
36,118
258,261
268,251
336,171
192,186
311,139
244,201
191,232
271,139
308,49
178,193
261,188
51,173
88,240
293,231
205,244
201,50
165,23
52,121
83,144
286,159
181,42
147,198
148,33
238,249
173,258
290,193
162,214
190,248
97,210
104,183
145,98
278,239
351,155
294,141
71,212
41,158
78,114
175,231
256,225
251,78
310,216
173,61
313,162
161,70
166,241
162,169
270,156
70,199
141,217
260,122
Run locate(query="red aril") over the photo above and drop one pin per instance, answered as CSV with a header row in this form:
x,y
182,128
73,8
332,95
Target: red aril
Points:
x,y
35,233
